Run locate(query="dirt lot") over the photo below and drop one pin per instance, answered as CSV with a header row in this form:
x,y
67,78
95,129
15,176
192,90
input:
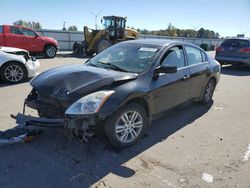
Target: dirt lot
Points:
x,y
176,150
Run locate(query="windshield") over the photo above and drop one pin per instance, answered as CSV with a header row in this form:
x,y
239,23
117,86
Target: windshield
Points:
x,y
126,57
109,22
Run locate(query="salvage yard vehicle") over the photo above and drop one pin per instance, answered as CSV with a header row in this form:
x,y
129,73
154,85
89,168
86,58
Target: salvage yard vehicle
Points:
x,y
28,39
122,89
234,51
98,40
16,65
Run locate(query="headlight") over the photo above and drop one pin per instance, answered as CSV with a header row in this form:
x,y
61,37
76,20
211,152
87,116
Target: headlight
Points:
x,y
89,104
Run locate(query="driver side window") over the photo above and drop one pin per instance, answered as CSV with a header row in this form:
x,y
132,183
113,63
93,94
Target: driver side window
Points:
x,y
175,57
28,32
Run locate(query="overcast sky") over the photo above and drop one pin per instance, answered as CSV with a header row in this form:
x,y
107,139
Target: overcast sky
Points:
x,y
228,17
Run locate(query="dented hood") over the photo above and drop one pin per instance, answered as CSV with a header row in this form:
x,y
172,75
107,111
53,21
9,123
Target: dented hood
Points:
x,y
77,80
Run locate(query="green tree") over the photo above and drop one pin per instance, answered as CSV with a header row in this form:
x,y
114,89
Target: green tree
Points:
x,y
34,25
72,28
21,22
145,32
175,32
201,33
171,30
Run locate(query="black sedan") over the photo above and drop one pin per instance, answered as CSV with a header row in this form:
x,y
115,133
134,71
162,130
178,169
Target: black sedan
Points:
x,y
123,88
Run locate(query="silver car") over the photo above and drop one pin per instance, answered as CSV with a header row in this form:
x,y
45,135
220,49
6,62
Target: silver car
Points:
x,y
16,65
234,51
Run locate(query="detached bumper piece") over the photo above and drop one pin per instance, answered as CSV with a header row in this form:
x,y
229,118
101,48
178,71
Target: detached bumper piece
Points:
x,y
17,135
26,120
82,128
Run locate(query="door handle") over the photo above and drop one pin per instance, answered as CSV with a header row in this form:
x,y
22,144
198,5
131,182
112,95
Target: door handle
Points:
x,y
186,77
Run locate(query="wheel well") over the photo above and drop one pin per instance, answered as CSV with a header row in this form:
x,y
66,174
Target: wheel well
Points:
x,y
49,45
214,79
142,102
21,64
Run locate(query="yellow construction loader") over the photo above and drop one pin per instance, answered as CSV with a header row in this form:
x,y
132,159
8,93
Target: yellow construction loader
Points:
x,y
98,40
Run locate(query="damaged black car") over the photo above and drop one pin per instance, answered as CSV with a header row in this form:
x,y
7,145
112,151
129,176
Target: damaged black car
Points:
x,y
123,88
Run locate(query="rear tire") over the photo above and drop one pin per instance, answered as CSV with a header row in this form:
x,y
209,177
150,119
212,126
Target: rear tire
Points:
x,y
13,72
208,92
102,44
50,51
126,126
77,48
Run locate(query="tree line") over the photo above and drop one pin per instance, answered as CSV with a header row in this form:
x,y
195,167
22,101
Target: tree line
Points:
x,y
37,25
175,32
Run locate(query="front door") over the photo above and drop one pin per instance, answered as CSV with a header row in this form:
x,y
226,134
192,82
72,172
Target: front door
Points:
x,y
199,71
31,42
171,89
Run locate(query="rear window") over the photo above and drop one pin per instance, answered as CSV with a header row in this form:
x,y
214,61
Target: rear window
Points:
x,y
1,28
204,56
15,30
194,55
235,43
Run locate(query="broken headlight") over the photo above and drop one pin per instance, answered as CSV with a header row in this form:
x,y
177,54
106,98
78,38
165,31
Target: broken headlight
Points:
x,y
89,104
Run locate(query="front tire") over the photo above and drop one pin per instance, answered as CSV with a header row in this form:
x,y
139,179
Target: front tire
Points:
x,y
208,92
126,126
13,72
102,44
50,51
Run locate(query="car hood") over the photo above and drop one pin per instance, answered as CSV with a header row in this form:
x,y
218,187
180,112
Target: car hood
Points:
x,y
49,39
12,50
75,81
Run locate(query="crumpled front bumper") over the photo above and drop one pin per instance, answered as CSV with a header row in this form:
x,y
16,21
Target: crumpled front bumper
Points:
x,y
32,66
27,120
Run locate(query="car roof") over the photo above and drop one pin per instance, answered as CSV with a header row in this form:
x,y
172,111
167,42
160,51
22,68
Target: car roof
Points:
x,y
240,38
157,42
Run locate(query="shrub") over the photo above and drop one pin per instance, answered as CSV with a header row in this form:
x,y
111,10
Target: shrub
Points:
x,y
204,46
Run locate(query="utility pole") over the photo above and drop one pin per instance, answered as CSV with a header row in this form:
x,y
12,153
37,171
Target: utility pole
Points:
x,y
64,28
96,16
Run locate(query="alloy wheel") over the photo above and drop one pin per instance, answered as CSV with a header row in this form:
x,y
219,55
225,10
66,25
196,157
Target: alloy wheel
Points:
x,y
209,91
13,73
51,52
129,126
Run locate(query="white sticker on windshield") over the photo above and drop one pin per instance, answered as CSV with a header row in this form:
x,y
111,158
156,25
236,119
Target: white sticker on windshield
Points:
x,y
146,49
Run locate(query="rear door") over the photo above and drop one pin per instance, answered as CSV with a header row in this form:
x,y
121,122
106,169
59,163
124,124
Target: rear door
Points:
x,y
14,37
171,89
199,70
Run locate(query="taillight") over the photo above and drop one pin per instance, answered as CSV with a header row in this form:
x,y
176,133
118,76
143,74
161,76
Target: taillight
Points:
x,y
219,49
245,50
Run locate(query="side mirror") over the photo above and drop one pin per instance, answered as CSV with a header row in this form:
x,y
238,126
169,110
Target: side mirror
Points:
x,y
101,20
166,69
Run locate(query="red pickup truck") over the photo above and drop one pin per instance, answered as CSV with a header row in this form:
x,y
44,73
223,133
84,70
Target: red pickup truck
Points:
x,y
28,39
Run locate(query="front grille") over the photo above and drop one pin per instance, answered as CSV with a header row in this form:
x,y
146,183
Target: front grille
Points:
x,y
46,105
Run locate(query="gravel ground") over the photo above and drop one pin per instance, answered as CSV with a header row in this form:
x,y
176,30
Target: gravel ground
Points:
x,y
192,146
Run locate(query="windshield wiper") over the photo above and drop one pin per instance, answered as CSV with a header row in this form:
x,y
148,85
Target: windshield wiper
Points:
x,y
89,62
115,67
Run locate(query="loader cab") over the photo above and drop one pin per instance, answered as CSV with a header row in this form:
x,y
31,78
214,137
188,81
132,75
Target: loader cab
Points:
x,y
115,27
